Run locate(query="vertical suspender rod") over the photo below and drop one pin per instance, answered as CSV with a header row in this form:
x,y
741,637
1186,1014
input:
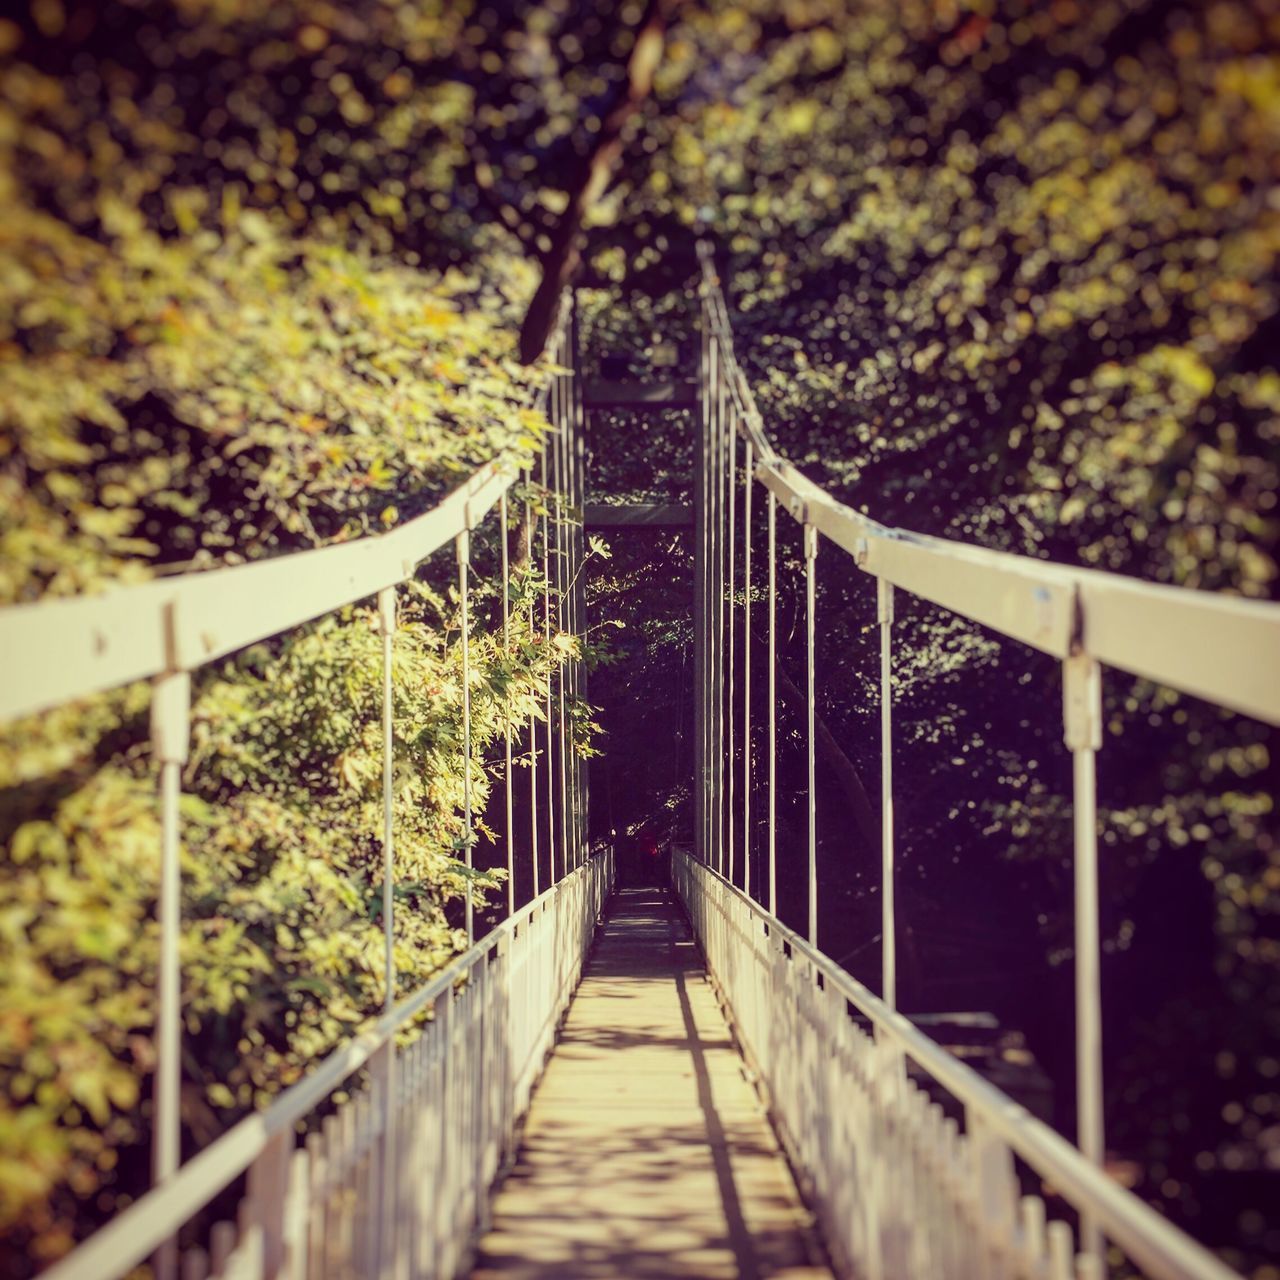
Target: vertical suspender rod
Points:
x,y
772,814
170,737
1082,724
888,923
506,657
747,482
810,580
464,590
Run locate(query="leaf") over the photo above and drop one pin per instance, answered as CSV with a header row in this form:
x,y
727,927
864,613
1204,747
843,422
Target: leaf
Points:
x,y
219,1095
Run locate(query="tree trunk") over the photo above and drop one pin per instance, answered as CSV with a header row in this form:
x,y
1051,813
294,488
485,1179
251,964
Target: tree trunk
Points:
x,y
562,260
522,553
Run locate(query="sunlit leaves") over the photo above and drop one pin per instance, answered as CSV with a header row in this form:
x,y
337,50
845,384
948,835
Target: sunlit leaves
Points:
x,y
221,339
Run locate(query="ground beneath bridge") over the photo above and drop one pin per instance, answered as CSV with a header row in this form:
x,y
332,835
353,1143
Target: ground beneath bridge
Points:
x,y
646,1152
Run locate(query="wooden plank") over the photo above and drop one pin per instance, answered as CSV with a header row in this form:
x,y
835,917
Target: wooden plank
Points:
x,y
682,394
653,514
646,1153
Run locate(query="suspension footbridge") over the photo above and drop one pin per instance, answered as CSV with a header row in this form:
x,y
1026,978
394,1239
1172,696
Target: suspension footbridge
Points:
x,y
651,1082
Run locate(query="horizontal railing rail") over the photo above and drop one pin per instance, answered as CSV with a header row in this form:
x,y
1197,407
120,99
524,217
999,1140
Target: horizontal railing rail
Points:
x,y
1225,649
1221,648
538,953
55,651
818,1067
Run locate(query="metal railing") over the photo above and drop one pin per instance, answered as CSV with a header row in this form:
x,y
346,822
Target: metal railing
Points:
x,y
56,651
394,1180
1220,648
901,1188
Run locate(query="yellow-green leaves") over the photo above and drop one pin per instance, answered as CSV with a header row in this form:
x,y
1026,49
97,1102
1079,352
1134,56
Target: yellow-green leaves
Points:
x,y
220,340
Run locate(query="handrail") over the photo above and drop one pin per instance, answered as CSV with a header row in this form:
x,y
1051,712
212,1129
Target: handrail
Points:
x,y
1145,1235
56,650
1221,648
135,1233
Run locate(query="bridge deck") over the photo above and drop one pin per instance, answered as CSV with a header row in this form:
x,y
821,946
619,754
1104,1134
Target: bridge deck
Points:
x,y
646,1151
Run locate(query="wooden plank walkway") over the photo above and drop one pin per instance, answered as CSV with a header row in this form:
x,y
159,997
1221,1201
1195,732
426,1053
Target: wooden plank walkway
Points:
x,y
646,1152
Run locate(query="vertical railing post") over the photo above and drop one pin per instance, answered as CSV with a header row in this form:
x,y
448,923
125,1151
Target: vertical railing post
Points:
x,y
170,738
810,586
562,593
996,1189
725,745
748,481
773,703
266,1188
529,520
576,585
553,600
1082,724
713,607
506,657
708,553
888,921
716,681
533,802
546,627
383,1064
463,545
387,625
581,690
732,486
700,673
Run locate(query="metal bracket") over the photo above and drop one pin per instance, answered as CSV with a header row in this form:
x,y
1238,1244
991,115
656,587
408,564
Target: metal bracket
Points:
x,y
463,546
387,610
171,717
1082,702
884,601
810,542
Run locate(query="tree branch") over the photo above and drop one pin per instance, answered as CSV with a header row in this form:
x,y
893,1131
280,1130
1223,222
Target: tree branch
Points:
x,y
564,256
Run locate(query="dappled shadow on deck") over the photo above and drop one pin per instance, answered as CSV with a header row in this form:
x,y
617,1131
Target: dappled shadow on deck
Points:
x,y
646,1151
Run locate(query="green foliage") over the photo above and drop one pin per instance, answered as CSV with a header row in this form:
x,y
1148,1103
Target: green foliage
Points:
x,y
235,323
1049,252
1003,272
1006,273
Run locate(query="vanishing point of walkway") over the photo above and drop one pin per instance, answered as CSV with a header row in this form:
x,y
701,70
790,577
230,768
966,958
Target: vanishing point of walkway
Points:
x,y
646,1152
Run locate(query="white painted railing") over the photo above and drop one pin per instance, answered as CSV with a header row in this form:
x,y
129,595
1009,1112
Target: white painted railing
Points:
x,y
901,1189
1221,648
1225,649
394,1180
55,651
